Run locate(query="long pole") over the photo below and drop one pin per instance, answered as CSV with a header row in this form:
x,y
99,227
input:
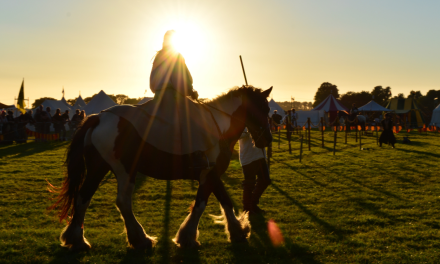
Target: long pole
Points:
x,y
334,143
360,140
279,136
244,73
301,149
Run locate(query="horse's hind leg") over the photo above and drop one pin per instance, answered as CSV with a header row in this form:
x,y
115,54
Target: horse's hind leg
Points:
x,y
237,229
73,235
136,236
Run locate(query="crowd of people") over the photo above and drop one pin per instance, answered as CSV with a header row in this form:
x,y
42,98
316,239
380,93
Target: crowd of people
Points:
x,y
14,128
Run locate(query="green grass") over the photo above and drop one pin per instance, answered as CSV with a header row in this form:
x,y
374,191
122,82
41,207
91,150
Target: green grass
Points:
x,y
377,205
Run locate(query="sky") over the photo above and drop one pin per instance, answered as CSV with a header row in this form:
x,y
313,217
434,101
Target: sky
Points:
x,y
293,45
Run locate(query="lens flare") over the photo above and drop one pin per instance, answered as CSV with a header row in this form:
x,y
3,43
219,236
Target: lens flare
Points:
x,y
275,233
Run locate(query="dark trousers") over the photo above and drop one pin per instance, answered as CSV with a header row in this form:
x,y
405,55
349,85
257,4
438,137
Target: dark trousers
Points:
x,y
254,189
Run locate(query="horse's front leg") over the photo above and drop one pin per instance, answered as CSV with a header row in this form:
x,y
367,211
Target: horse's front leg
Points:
x,y
136,236
188,232
238,228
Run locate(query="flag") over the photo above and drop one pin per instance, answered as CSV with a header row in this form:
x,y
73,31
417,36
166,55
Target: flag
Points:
x,y
20,101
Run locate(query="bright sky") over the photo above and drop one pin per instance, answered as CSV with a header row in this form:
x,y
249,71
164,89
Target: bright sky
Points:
x,y
294,45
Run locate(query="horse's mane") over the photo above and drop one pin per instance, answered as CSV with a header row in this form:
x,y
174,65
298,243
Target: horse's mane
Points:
x,y
234,91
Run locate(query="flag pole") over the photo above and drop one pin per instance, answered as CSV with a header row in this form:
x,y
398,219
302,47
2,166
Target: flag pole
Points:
x,y
244,73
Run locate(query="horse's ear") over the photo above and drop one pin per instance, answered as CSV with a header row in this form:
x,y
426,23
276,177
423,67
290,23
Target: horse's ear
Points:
x,y
267,92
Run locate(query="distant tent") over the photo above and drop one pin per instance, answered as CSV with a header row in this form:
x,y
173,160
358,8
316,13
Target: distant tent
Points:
x,y
410,111
315,117
54,105
331,106
3,106
79,104
100,102
144,100
372,106
274,106
435,119
65,102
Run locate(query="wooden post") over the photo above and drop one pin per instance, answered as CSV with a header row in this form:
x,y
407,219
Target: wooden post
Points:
x,y
334,143
301,149
308,122
377,137
269,155
346,132
322,130
289,136
279,136
360,140
356,133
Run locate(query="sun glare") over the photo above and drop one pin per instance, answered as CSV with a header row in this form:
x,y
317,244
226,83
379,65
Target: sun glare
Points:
x,y
189,41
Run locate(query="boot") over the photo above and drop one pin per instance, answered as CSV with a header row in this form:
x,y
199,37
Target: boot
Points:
x,y
260,187
248,187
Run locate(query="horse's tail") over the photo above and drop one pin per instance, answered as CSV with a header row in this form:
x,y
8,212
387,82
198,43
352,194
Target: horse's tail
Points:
x,y
75,170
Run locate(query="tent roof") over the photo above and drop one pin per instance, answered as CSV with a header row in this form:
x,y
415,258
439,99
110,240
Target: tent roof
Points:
x,y
144,100
274,106
54,105
435,119
79,104
100,102
402,106
330,104
372,106
3,106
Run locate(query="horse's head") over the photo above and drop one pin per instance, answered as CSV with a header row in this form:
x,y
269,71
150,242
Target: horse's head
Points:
x,y
257,111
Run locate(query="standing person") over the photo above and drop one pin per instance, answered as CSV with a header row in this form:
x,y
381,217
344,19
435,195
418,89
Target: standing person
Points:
x,y
76,119
353,112
66,119
58,124
48,122
276,119
82,116
256,173
387,135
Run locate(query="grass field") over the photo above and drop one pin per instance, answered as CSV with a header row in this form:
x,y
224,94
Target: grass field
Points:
x,y
377,205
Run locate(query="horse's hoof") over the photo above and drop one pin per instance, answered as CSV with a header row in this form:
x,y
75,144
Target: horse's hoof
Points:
x,y
187,244
80,247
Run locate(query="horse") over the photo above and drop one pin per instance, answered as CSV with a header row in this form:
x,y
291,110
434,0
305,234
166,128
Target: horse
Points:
x,y
107,142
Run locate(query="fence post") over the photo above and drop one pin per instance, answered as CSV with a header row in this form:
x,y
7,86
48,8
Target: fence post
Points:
x,y
334,143
322,130
289,135
310,128
279,136
356,133
346,132
301,149
377,137
360,140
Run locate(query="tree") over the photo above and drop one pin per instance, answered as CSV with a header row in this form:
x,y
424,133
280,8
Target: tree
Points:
x,y
39,101
358,98
415,95
120,98
381,95
400,96
132,101
71,101
325,90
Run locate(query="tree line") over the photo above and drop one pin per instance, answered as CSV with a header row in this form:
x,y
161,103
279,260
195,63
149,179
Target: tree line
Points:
x,y
379,94
119,99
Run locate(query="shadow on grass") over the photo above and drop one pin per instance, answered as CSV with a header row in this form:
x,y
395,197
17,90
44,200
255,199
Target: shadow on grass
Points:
x,y
262,250
16,151
327,226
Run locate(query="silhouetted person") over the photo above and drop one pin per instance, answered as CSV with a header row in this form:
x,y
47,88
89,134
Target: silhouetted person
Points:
x,y
387,135
276,118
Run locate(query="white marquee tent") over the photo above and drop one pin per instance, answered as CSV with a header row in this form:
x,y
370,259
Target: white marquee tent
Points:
x,y
435,119
79,104
372,106
100,102
144,100
274,106
315,117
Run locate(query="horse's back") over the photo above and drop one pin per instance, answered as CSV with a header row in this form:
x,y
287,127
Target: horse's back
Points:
x,y
178,126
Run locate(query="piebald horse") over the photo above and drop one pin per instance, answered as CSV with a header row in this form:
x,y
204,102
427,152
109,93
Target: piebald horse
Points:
x,y
107,142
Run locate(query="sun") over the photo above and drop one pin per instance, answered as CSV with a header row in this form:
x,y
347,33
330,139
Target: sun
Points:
x,y
189,41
